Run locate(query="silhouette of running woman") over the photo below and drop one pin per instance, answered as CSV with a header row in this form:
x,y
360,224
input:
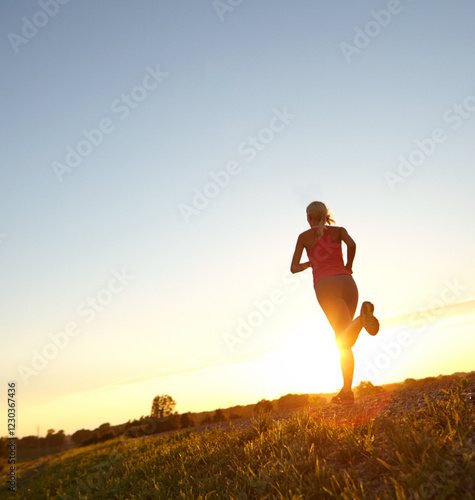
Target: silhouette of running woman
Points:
x,y
335,288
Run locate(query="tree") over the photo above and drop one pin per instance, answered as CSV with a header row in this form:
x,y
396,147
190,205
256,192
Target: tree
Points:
x,y
49,439
54,439
163,406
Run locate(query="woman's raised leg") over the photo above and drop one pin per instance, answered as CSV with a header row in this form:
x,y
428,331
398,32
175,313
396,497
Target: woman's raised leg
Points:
x,y
338,297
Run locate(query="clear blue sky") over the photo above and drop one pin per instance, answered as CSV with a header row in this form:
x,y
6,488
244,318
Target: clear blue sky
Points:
x,y
296,103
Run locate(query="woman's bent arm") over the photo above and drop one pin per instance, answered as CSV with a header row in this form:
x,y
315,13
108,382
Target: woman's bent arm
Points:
x,y
296,267
350,248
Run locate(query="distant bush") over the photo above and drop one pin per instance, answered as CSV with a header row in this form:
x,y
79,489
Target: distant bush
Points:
x,y
290,401
234,416
99,438
316,399
31,442
147,426
92,440
4,451
263,406
80,436
54,438
219,416
366,388
186,421
172,422
106,436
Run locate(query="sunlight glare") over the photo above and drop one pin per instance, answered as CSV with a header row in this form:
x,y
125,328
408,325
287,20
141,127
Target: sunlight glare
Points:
x,y
308,362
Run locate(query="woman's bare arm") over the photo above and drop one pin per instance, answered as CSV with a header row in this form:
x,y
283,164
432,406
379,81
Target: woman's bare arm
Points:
x,y
296,266
350,248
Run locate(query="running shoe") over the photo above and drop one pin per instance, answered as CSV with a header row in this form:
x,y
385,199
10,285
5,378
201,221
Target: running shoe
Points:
x,y
344,398
370,323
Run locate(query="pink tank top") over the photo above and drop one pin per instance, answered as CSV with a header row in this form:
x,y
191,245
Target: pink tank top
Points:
x,y
326,258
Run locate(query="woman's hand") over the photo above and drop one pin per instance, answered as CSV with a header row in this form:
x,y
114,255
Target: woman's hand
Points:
x,y
348,267
303,266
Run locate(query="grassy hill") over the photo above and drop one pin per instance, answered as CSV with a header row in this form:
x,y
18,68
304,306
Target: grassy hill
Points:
x,y
399,453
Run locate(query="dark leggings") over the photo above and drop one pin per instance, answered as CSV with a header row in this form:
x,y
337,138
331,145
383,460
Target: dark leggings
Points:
x,y
338,297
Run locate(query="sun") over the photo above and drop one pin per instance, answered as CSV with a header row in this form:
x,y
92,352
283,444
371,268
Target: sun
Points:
x,y
308,361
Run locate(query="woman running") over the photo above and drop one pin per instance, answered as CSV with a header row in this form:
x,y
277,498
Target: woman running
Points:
x,y
335,288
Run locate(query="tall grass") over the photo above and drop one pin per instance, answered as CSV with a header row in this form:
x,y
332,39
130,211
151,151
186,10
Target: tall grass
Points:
x,y
426,454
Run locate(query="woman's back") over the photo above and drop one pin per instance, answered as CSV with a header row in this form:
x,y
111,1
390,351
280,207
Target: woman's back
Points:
x,y
325,255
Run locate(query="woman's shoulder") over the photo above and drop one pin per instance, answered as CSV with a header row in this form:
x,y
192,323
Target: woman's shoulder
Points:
x,y
336,232
306,234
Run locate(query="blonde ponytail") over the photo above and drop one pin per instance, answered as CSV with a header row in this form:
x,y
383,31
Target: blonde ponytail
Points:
x,y
318,212
329,218
321,227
